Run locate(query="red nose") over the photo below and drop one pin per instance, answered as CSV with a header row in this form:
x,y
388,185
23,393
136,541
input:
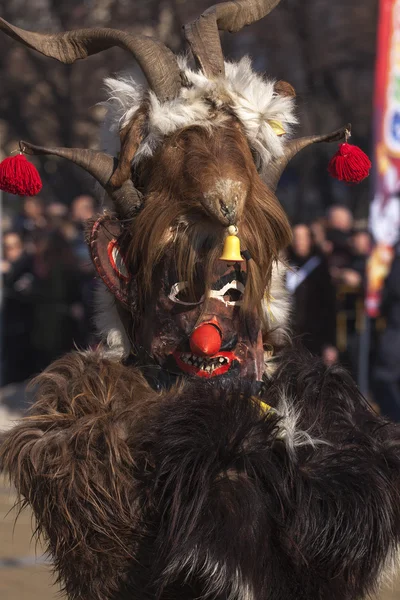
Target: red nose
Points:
x,y
205,340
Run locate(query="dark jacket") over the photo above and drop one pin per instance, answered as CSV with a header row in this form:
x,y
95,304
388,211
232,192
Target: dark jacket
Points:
x,y
313,313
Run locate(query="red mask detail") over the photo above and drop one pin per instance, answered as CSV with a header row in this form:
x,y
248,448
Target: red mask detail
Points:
x,y
205,367
205,340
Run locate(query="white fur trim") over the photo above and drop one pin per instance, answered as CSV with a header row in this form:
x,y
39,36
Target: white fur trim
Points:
x,y
214,575
277,299
289,431
109,325
276,306
252,98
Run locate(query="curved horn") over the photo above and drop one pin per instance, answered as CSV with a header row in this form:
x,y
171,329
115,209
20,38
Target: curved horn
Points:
x,y
276,167
127,199
156,60
203,37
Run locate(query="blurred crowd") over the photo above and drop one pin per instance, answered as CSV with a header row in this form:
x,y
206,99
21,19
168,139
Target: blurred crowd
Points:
x,y
48,291
48,286
327,281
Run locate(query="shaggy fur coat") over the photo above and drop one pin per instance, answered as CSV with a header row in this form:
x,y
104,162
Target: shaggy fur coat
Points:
x,y
202,491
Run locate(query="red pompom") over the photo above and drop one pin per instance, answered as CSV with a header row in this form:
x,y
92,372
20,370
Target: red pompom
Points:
x,y
349,164
19,176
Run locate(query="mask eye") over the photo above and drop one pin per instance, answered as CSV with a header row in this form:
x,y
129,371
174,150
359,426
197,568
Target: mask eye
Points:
x,y
181,294
231,294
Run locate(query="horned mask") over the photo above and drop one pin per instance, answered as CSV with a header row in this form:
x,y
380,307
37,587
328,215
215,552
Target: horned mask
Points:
x,y
201,150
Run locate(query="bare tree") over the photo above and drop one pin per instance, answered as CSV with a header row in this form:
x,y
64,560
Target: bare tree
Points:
x,y
325,49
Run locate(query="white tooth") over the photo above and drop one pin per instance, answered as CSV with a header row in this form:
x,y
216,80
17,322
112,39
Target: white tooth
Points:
x,y
203,367
208,369
221,360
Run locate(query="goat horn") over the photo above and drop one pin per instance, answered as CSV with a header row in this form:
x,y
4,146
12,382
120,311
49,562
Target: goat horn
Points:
x,y
203,37
156,60
276,168
127,199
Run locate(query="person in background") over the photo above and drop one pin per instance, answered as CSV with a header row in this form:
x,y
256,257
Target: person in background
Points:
x,y
338,234
351,285
57,295
56,213
83,209
17,310
386,372
353,275
361,246
318,231
309,282
33,217
340,218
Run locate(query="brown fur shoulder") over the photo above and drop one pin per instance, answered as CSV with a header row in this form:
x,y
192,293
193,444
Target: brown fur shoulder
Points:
x,y
72,460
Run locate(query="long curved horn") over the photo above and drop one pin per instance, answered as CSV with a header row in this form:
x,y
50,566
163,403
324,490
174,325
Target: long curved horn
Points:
x,y
276,167
203,37
127,199
156,60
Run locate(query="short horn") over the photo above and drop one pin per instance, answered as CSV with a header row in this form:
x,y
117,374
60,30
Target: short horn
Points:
x,y
127,199
203,37
275,168
156,60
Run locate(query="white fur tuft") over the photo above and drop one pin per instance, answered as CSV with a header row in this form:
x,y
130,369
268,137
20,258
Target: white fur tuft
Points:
x,y
214,575
252,98
276,307
290,433
109,325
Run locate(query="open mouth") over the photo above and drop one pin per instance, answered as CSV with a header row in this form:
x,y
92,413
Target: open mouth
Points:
x,y
204,366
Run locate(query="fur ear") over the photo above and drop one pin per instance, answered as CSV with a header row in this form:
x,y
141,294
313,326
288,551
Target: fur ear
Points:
x,y
105,244
285,89
130,136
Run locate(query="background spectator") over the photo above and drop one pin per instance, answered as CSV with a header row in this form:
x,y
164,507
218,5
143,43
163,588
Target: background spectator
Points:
x,y
48,282
386,380
337,247
17,311
309,282
32,217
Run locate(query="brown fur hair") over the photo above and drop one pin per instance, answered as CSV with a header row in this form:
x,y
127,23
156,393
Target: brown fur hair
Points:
x,y
72,459
175,181
130,137
197,492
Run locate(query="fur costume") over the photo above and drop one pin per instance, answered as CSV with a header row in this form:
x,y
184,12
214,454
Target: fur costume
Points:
x,y
196,453
196,492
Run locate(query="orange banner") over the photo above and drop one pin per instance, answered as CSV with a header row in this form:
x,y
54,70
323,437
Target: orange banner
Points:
x,y
385,207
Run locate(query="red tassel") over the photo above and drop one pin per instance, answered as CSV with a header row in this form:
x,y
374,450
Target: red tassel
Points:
x,y
18,176
349,164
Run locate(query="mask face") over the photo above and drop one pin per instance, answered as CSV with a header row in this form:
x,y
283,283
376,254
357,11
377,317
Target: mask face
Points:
x,y
183,329
201,334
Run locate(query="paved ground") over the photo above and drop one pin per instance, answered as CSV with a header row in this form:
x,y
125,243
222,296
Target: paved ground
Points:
x,y
24,574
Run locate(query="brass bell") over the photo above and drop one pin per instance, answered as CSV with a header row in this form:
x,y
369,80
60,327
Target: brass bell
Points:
x,y
231,250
